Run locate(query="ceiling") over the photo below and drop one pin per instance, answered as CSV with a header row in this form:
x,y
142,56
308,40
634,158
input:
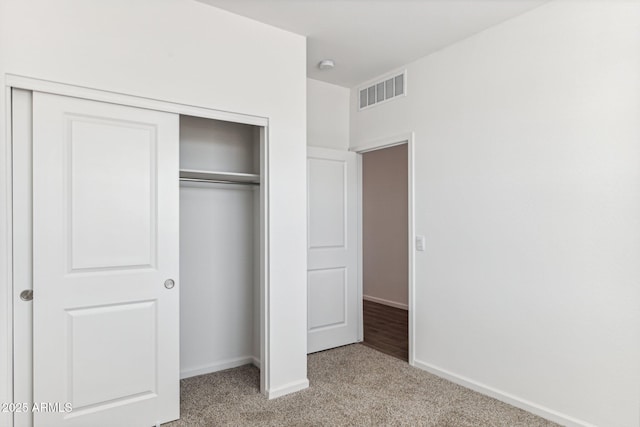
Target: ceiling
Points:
x,y
367,38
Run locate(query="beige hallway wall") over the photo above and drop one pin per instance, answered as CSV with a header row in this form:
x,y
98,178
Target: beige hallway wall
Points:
x,y
384,224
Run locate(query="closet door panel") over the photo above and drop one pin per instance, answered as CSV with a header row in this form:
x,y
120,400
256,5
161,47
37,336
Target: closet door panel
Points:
x,y
111,166
105,227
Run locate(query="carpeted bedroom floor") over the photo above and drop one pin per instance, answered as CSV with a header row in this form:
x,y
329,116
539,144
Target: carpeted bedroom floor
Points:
x,y
350,386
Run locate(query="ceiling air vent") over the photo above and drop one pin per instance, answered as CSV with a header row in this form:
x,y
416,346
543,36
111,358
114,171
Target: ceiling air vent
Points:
x,y
383,90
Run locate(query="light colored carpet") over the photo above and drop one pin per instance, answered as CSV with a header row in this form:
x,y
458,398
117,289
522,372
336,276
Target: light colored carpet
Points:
x,y
350,386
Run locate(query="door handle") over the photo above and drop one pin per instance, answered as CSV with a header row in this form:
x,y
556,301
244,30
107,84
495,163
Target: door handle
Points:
x,y
26,295
169,283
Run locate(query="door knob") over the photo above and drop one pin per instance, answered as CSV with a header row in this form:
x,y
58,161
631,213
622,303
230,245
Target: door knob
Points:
x,y
169,283
26,295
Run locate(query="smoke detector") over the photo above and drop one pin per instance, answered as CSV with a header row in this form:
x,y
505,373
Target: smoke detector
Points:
x,y
326,64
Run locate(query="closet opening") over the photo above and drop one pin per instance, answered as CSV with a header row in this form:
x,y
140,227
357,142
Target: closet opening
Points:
x,y
221,232
385,250
158,271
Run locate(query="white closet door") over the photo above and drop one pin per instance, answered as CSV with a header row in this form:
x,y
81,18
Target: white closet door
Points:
x,y
333,315
105,228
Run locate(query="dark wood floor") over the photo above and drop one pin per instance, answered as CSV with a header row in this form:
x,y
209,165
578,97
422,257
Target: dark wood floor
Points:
x,y
386,329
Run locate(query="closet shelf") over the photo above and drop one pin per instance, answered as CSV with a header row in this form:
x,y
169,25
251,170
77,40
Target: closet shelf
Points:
x,y
220,176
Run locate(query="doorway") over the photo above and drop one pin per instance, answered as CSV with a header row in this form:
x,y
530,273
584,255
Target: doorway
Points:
x,y
386,247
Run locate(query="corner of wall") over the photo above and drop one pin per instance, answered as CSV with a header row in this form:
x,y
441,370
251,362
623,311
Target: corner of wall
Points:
x,y
328,118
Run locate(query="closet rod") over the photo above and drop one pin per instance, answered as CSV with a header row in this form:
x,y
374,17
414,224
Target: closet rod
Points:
x,y
218,181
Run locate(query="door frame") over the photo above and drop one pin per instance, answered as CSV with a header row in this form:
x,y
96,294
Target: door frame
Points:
x,y
9,289
378,144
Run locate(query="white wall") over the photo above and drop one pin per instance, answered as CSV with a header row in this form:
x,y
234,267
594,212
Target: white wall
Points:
x,y
187,52
527,169
385,258
218,241
327,115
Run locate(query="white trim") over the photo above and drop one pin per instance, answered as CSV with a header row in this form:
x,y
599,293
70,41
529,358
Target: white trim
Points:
x,y
256,362
386,302
218,366
386,142
359,261
47,86
6,288
503,396
412,227
265,279
288,388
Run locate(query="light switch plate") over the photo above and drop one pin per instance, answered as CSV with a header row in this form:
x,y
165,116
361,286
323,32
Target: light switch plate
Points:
x,y
420,243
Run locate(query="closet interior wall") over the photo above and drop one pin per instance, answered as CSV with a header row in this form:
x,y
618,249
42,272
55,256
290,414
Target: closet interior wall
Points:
x,y
219,245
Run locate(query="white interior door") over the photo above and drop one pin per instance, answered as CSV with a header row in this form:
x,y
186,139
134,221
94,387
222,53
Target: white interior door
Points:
x,y
105,240
332,279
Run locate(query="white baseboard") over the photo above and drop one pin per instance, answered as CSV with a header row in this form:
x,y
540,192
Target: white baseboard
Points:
x,y
287,389
256,362
534,408
218,366
386,302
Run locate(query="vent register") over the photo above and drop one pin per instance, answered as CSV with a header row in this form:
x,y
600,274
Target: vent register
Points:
x,y
382,90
